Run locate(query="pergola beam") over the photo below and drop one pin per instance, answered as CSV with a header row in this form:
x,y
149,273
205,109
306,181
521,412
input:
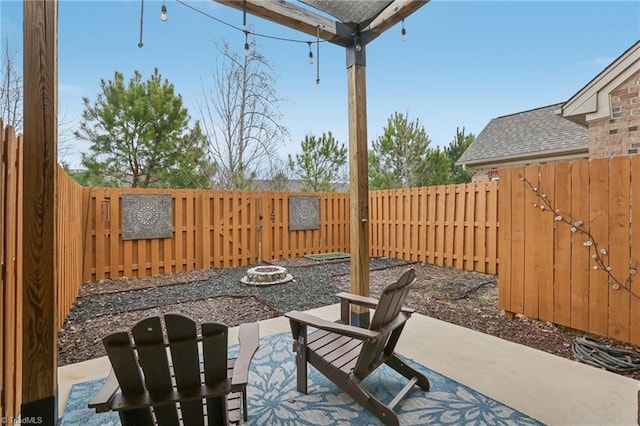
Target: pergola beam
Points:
x,y
306,21
394,13
292,16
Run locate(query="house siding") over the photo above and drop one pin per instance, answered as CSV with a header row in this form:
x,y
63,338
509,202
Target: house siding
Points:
x,y
618,134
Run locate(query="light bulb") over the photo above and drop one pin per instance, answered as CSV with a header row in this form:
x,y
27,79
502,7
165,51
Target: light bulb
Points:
x,y
163,13
404,34
358,47
310,53
246,43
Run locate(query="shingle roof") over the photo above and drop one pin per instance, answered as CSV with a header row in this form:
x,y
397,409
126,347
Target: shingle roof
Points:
x,y
525,134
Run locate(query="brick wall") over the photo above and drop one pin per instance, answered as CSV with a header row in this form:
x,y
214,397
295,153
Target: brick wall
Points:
x,y
483,174
618,134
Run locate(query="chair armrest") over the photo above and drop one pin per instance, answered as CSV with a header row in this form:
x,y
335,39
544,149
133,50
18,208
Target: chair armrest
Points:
x,y
102,400
368,302
249,338
348,299
398,321
343,329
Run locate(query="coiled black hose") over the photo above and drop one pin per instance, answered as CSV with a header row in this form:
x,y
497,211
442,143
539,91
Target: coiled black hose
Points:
x,y
600,354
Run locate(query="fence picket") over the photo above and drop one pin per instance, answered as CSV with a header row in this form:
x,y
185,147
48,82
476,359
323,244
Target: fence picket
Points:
x,y
533,219
5,404
562,247
449,224
599,225
519,207
480,223
491,194
545,266
618,247
469,227
504,215
112,213
580,256
634,284
439,220
414,232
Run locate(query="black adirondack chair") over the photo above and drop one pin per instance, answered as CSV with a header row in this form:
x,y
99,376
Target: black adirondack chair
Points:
x,y
165,381
346,355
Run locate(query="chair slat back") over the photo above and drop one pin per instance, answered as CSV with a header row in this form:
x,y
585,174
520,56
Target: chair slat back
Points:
x,y
392,299
142,364
183,343
214,348
389,306
125,366
153,359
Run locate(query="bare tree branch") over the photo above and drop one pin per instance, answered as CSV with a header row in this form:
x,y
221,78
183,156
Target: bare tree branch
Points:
x,y
241,118
10,87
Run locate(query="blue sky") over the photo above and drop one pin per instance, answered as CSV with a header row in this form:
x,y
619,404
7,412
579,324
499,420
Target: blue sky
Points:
x,y
464,63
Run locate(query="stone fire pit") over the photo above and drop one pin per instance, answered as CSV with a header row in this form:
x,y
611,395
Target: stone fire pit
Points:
x,y
266,275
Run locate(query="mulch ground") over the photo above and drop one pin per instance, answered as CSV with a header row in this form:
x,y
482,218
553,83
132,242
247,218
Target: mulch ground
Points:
x,y
467,299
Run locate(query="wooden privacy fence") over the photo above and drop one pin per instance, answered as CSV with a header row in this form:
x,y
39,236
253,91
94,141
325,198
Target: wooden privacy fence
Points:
x,y
70,237
69,262
211,229
546,271
11,273
452,225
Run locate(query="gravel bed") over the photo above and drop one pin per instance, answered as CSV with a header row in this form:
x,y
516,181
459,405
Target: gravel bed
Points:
x,y
310,289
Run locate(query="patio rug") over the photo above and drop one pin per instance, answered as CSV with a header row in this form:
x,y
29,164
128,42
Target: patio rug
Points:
x,y
274,400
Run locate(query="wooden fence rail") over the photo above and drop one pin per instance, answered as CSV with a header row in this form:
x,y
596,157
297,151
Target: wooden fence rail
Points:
x,y
546,270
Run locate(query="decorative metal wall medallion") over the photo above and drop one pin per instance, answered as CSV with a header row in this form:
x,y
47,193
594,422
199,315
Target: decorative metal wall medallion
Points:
x,y
304,212
146,216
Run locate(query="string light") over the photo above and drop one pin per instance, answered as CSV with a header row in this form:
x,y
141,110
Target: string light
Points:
x,y
247,47
246,43
318,54
163,12
310,53
140,43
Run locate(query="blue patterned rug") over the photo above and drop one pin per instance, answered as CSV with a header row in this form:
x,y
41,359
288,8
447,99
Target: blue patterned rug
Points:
x,y
274,400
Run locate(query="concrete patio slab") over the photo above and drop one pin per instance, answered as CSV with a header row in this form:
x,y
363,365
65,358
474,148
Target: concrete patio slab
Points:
x,y
554,390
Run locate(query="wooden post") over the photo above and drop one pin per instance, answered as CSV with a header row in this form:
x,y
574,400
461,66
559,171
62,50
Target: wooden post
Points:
x,y
359,179
39,354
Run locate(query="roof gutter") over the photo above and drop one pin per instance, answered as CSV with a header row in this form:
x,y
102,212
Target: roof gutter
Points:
x,y
531,156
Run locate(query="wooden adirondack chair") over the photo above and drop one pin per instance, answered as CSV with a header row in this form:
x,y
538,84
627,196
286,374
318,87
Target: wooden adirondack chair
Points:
x,y
163,381
346,355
